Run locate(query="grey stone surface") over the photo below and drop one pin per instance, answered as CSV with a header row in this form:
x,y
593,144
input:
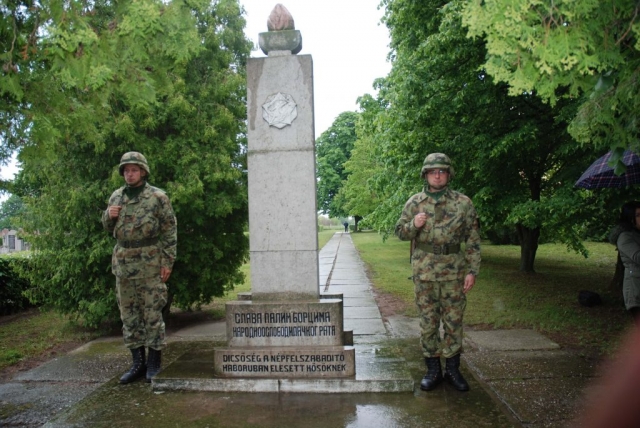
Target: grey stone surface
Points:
x,y
32,404
542,385
360,301
211,331
350,291
78,368
280,188
272,282
266,76
358,312
281,165
509,340
377,371
97,361
364,326
286,40
401,326
529,364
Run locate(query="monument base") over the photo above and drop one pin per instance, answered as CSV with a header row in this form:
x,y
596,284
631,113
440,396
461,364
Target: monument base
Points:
x,y
379,370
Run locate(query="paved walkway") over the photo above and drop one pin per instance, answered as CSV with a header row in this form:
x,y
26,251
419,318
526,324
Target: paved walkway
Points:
x,y
517,378
342,271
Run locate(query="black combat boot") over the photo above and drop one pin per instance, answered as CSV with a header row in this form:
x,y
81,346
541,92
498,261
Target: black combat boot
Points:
x,y
453,375
433,376
138,369
153,364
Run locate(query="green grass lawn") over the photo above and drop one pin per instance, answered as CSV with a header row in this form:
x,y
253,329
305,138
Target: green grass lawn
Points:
x,y
35,333
504,297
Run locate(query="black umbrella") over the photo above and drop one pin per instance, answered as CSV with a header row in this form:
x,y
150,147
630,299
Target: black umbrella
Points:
x,y
600,174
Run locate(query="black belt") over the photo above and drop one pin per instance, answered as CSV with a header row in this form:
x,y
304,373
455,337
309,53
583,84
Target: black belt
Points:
x,y
139,243
439,249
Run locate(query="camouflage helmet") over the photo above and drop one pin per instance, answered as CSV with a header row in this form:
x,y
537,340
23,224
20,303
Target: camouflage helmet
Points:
x,y
133,158
437,161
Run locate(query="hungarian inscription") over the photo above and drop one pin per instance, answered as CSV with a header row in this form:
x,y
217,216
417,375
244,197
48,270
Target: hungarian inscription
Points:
x,y
332,362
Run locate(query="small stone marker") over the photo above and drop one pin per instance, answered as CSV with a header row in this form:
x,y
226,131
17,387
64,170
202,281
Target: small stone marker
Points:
x,y
284,330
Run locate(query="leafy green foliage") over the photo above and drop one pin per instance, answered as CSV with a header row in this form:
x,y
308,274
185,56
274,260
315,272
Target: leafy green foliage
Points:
x,y
9,211
12,287
333,150
578,49
357,194
176,93
512,155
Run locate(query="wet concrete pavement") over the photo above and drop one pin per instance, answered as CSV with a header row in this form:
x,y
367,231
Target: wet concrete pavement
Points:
x,y
517,378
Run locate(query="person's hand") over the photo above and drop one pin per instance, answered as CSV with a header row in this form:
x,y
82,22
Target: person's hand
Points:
x,y
165,273
419,220
469,282
114,211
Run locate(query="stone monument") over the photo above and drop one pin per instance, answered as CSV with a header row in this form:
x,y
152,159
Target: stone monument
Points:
x,y
283,329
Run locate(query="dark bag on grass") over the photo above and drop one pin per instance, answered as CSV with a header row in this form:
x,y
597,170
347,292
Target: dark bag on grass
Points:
x,y
589,298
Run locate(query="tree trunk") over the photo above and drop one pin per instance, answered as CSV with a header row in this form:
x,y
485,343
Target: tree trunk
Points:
x,y
528,247
356,220
618,276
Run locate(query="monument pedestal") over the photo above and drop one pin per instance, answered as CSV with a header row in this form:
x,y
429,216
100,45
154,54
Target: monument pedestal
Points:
x,y
285,339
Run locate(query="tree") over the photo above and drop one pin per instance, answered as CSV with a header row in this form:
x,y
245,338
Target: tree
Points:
x,y
357,194
64,62
511,154
9,210
333,150
189,124
588,49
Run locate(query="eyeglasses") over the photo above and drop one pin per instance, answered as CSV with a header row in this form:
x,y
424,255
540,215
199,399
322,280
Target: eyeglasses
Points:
x,y
435,172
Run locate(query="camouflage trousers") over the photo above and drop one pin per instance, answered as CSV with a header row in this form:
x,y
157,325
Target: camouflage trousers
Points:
x,y
441,301
141,302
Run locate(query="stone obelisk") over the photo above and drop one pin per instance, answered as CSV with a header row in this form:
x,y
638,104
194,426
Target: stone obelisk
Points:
x,y
283,330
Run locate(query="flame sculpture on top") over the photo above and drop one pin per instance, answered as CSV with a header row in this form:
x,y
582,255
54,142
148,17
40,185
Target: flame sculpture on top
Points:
x,y
282,37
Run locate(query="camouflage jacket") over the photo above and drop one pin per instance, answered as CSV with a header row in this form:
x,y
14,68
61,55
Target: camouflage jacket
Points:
x,y
451,220
149,217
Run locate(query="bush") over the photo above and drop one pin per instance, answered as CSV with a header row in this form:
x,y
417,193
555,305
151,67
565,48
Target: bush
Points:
x,y
12,287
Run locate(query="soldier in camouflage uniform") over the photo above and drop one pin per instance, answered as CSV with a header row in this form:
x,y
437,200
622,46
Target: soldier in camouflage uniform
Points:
x,y
437,221
141,219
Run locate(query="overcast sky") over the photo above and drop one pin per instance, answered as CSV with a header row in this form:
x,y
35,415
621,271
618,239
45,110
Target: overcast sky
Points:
x,y
348,45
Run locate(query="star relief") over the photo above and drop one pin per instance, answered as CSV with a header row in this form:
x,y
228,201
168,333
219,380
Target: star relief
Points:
x,y
279,110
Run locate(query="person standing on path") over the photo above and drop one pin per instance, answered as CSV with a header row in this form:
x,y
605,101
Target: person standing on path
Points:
x,y
626,237
439,220
141,219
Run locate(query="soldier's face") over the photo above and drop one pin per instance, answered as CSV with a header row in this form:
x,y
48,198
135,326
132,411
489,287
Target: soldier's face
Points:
x,y
133,175
437,179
